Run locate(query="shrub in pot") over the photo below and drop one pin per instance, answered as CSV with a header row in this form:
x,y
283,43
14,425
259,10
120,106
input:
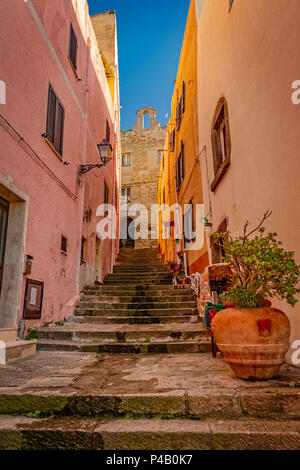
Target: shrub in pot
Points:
x,y
253,336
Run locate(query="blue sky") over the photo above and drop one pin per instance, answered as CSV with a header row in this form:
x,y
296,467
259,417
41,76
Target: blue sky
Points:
x,y
150,35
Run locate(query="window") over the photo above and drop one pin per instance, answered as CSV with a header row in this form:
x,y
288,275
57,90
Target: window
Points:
x,y
55,121
83,250
221,142
106,193
146,121
64,245
126,192
189,224
107,131
230,4
160,155
73,47
180,107
179,170
126,159
172,141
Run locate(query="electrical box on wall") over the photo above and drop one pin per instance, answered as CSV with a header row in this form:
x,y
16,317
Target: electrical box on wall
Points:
x,y
28,262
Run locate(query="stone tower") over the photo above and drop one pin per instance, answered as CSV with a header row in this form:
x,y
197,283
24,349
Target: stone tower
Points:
x,y
142,151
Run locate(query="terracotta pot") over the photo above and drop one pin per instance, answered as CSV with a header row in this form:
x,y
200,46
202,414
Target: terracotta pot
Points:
x,y
254,341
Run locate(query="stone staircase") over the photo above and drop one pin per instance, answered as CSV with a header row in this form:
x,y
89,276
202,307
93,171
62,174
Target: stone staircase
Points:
x,y
111,378
137,310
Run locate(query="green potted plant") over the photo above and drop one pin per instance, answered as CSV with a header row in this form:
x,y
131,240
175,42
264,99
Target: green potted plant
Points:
x,y
253,336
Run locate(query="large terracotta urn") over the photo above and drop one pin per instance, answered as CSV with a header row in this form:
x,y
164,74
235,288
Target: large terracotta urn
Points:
x,y
254,341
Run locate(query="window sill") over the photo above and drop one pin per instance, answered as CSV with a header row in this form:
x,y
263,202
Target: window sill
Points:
x,y
53,148
64,252
220,173
73,68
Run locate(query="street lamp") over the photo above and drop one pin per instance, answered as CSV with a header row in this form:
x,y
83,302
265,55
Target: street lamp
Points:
x,y
104,150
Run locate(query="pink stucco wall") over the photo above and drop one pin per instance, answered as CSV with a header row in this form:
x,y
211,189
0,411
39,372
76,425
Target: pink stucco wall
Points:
x,y
34,40
250,56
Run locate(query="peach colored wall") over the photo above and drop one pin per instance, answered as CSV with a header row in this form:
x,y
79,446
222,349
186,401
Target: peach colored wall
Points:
x,y
34,39
250,56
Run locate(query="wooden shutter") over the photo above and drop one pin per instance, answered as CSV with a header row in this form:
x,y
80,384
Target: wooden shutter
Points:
x,y
183,98
182,160
59,128
107,131
51,117
178,173
55,121
73,46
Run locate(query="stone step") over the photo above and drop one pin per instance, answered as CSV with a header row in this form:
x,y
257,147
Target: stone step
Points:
x,y
139,288
143,269
135,305
136,298
167,347
15,350
158,319
137,282
126,334
139,277
22,433
136,312
153,293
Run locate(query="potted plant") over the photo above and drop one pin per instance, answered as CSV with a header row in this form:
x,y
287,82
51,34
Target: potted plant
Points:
x,y
253,336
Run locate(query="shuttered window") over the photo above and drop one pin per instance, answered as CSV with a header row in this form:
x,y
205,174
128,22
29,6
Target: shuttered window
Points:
x,y
55,121
73,47
183,98
179,170
64,244
172,141
106,193
107,131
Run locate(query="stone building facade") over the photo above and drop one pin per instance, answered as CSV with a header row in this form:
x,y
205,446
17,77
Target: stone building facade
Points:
x,y
142,152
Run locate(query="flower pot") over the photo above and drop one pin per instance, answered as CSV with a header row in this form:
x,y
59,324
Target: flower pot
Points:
x,y
254,341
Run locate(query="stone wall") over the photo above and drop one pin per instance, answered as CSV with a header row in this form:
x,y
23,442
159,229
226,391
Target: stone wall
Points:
x,y
142,145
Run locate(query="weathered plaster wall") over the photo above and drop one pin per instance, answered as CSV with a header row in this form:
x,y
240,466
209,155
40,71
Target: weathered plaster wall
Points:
x,y
34,41
249,57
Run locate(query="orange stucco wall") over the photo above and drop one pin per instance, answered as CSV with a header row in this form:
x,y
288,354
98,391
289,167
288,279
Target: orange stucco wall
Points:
x,y
250,56
191,188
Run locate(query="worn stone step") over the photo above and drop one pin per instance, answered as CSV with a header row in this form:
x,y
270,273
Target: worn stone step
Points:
x,y
135,305
139,293
126,334
21,433
136,312
136,298
158,319
159,268
138,288
119,282
167,347
138,276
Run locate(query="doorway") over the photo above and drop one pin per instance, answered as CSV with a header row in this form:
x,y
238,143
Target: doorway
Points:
x,y
4,209
128,242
